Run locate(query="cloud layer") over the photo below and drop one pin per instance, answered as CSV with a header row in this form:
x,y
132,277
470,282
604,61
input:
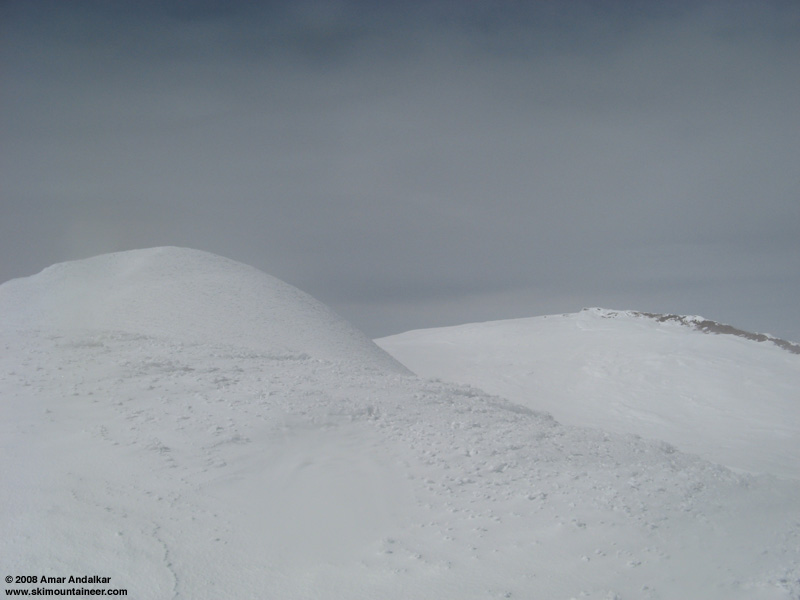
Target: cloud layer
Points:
x,y
419,165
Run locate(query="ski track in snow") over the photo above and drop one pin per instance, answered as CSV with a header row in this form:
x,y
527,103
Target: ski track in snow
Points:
x,y
186,470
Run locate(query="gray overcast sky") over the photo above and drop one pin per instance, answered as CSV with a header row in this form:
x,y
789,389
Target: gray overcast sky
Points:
x,y
419,164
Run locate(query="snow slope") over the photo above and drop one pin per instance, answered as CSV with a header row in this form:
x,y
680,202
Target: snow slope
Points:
x,y
188,295
728,397
191,468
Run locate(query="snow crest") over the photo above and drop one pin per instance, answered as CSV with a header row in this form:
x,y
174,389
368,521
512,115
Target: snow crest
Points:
x,y
698,323
725,397
186,295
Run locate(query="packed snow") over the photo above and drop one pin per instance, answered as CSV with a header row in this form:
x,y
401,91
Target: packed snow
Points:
x,y
237,455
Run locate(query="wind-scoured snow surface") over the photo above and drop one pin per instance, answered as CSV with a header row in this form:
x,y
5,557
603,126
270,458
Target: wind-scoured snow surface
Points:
x,y
711,389
184,467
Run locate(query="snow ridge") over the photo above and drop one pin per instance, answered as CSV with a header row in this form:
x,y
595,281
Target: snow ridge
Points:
x,y
658,376
700,324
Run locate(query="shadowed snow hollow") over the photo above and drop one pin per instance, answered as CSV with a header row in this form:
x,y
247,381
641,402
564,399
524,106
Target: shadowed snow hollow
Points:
x,y
185,295
731,397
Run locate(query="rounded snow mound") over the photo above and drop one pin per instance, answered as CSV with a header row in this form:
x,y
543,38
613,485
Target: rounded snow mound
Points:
x,y
188,295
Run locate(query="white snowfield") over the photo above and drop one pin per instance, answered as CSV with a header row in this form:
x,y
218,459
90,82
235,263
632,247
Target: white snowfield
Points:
x,y
727,397
183,462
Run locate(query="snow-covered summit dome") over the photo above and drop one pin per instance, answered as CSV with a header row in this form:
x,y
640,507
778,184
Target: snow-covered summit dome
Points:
x,y
705,387
188,295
